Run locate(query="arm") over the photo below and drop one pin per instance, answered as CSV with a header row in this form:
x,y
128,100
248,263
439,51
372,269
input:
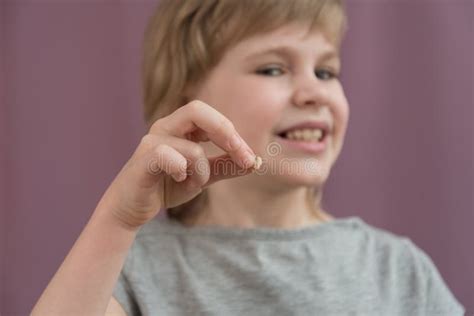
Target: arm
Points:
x,y
114,308
155,176
84,282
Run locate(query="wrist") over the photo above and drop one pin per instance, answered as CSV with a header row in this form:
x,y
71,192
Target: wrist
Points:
x,y
108,212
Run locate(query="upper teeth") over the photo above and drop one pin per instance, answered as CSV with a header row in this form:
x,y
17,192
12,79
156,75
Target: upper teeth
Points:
x,y
305,134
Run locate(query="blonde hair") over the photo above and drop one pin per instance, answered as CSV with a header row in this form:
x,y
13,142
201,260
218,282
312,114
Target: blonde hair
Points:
x,y
185,39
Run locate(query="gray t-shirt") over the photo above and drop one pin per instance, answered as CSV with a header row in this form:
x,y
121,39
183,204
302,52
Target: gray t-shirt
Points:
x,y
342,267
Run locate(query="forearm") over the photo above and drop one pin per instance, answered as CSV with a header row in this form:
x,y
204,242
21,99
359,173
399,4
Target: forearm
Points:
x,y
84,282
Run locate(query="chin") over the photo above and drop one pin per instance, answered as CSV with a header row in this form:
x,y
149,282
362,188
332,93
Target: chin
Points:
x,y
303,170
292,180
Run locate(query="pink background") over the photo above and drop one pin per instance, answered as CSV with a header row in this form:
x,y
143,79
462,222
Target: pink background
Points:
x,y
71,116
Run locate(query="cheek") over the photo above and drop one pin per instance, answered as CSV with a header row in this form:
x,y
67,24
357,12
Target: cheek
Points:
x,y
252,107
341,117
344,110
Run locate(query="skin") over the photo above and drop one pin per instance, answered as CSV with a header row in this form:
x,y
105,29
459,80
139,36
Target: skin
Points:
x,y
291,88
257,104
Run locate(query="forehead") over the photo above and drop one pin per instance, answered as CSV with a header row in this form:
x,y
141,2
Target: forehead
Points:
x,y
288,41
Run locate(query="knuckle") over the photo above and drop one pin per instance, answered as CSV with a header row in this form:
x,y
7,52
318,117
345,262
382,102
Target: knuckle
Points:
x,y
196,151
147,141
202,171
163,158
160,149
196,105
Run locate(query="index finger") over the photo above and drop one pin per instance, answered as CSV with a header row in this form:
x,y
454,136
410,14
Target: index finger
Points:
x,y
215,125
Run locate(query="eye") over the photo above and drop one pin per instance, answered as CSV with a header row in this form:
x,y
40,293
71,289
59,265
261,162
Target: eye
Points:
x,y
325,74
271,71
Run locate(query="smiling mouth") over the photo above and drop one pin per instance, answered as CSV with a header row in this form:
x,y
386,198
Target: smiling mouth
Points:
x,y
305,135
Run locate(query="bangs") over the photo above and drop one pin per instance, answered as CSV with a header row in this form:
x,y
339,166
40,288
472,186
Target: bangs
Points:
x,y
245,18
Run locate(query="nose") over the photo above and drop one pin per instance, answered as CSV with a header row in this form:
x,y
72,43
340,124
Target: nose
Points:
x,y
308,90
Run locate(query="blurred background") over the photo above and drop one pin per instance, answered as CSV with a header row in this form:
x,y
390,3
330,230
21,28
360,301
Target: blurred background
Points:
x,y
71,116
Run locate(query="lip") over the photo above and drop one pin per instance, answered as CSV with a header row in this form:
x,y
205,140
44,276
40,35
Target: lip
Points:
x,y
306,146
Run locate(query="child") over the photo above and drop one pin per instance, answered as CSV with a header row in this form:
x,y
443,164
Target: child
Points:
x,y
246,117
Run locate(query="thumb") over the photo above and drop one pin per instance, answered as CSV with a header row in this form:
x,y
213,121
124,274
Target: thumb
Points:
x,y
224,167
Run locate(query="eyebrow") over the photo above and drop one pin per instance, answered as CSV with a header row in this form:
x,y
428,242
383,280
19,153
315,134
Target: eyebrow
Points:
x,y
287,51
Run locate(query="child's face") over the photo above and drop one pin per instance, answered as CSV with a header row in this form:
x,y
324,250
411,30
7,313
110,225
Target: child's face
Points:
x,y
262,94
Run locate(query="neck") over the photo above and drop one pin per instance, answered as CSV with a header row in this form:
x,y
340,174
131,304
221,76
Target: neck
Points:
x,y
231,205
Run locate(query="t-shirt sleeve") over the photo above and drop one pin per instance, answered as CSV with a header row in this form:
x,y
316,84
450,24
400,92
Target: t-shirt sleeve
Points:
x,y
439,299
124,295
124,291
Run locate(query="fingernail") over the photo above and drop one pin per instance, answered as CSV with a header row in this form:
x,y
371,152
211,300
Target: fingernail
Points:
x,y
235,142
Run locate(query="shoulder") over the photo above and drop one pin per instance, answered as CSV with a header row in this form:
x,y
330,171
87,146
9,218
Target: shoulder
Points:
x,y
376,243
403,270
395,254
389,244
